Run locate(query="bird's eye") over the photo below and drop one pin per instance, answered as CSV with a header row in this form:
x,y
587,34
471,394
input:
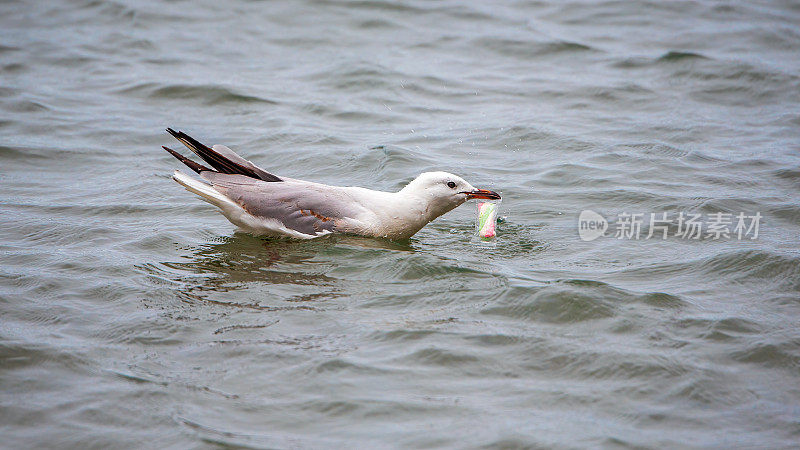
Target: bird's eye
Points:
x,y
451,184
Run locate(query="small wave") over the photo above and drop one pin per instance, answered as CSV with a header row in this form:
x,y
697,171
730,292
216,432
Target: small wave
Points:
x,y
12,152
789,174
26,106
671,57
575,175
771,354
14,67
344,368
700,157
529,49
440,357
403,335
659,149
374,5
788,213
680,56
713,389
8,92
377,24
227,436
754,265
237,327
575,300
628,91
552,304
8,49
357,78
206,94
719,329
615,366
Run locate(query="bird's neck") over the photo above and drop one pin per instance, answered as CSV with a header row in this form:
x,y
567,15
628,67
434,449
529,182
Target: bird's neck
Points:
x,y
410,212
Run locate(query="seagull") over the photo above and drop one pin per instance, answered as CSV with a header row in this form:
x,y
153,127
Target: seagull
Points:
x,y
264,204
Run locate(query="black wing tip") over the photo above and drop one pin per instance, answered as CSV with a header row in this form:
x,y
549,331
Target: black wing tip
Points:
x,y
189,163
187,140
173,152
218,161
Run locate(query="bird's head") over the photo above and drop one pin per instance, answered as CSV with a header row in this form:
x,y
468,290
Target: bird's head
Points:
x,y
443,191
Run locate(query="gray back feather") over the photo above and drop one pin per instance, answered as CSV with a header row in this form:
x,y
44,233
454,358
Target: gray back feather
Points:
x,y
231,155
305,207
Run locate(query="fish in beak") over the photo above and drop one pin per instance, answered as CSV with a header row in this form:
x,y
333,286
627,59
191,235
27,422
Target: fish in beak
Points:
x,y
481,193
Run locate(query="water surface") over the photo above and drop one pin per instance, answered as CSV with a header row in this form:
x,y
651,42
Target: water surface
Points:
x,y
132,314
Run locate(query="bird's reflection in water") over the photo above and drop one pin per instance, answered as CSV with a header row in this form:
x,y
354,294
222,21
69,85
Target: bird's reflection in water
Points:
x,y
288,274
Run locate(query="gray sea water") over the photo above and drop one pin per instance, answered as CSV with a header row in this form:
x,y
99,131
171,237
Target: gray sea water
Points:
x,y
132,315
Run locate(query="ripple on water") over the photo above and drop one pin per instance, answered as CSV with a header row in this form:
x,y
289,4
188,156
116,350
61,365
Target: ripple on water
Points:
x,y
674,56
344,367
790,174
207,95
526,49
573,301
782,355
553,304
754,266
356,79
433,356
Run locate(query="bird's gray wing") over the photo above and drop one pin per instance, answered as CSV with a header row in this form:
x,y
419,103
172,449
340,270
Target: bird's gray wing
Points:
x,y
307,208
232,156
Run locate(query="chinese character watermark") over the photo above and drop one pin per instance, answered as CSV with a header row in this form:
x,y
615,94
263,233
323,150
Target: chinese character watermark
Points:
x,y
714,226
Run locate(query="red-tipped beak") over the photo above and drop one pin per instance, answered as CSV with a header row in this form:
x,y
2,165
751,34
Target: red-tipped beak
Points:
x,y
481,193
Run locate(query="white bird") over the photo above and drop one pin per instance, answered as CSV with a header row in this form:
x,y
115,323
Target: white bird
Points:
x,y
264,204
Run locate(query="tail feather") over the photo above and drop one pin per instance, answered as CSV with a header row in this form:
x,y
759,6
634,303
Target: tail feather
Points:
x,y
191,164
210,156
205,191
218,161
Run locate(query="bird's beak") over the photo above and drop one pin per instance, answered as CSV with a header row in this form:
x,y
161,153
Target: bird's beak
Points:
x,y
481,193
